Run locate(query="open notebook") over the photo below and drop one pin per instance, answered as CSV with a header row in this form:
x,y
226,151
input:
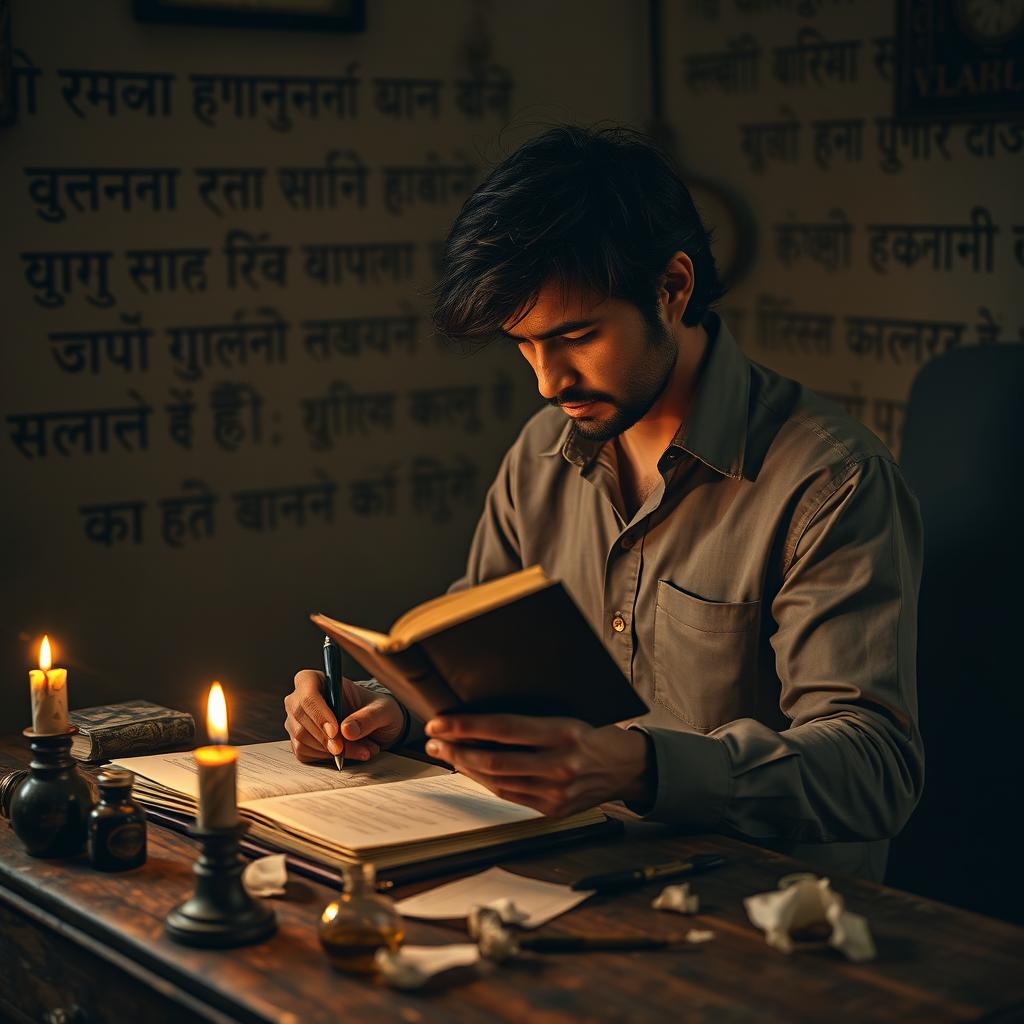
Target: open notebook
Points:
x,y
392,810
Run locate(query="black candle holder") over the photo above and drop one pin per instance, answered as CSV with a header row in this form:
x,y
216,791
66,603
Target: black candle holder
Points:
x,y
49,810
220,912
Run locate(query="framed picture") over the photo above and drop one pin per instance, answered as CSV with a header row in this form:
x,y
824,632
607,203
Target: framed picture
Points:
x,y
959,60
312,15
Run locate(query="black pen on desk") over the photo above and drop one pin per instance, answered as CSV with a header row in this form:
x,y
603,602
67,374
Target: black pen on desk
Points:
x,y
637,876
332,688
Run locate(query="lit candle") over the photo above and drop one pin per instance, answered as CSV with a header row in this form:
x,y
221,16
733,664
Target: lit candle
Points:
x,y
49,694
217,801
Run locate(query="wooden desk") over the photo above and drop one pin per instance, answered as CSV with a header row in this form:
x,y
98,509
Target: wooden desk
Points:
x,y
81,946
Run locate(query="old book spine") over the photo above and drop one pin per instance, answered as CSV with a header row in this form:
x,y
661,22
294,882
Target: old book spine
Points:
x,y
145,737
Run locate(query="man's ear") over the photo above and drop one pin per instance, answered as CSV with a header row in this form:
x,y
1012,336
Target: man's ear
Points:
x,y
676,286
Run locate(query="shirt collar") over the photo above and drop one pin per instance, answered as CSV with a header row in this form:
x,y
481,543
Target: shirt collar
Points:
x,y
716,431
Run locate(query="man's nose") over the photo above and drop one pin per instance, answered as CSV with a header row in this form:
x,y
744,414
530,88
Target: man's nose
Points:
x,y
554,373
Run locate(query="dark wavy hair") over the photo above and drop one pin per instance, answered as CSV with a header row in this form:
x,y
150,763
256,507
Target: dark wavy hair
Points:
x,y
597,208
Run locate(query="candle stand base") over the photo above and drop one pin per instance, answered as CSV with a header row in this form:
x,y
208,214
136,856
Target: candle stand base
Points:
x,y
220,912
49,809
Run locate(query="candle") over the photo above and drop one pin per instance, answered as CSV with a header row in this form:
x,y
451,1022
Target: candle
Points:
x,y
49,688
216,764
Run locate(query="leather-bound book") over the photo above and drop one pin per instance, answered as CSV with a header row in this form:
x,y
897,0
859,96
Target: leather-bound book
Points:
x,y
516,645
131,727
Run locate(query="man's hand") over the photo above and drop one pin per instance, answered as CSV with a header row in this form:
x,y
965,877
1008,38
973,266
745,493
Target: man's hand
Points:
x,y
372,720
572,765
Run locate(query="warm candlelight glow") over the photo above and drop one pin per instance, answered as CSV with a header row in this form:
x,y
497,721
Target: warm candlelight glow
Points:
x,y
216,755
217,767
48,687
217,715
45,654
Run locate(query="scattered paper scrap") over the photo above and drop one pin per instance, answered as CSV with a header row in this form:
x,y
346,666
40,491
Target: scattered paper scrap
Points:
x,y
488,926
413,966
804,901
506,910
699,935
677,898
266,876
537,902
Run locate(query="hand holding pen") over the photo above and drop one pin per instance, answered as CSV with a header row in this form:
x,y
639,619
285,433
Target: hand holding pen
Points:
x,y
365,720
332,692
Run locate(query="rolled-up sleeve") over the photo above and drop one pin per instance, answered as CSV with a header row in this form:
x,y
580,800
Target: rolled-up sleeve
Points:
x,y
850,766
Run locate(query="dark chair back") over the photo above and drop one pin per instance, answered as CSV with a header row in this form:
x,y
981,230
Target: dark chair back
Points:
x,y
963,455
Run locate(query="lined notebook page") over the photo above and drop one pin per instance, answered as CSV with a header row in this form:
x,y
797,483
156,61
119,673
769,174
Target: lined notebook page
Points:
x,y
270,770
404,812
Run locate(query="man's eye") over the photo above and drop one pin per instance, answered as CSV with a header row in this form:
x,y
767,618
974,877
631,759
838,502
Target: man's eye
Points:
x,y
582,338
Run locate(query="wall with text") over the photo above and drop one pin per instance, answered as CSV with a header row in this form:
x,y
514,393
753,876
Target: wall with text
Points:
x,y
223,405
881,242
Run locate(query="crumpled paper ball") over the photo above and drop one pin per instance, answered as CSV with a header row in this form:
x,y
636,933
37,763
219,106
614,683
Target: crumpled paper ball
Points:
x,y
803,901
677,898
266,876
487,924
506,910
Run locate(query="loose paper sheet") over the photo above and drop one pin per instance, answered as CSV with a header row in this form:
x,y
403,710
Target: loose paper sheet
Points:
x,y
540,901
270,769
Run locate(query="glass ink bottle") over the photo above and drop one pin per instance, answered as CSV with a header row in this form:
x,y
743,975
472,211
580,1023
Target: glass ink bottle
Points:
x,y
117,824
359,922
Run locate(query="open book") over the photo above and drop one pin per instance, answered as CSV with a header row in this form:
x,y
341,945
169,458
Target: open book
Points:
x,y
391,810
517,644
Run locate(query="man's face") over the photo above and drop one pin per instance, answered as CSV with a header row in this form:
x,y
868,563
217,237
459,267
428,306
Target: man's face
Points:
x,y
598,359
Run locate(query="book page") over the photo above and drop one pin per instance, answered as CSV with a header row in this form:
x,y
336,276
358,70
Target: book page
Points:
x,y
404,812
451,609
270,770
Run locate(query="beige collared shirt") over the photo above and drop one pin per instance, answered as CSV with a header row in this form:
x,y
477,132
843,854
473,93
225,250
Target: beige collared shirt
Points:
x,y
762,601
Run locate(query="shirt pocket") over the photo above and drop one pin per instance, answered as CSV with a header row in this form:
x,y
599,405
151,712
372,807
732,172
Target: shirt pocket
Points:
x,y
705,657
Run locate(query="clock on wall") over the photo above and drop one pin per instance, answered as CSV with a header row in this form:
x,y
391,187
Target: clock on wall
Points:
x,y
959,59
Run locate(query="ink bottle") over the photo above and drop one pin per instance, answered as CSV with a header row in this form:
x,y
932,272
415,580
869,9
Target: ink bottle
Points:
x,y
359,922
117,824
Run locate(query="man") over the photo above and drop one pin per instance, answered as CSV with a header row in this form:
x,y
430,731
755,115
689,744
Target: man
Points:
x,y
749,554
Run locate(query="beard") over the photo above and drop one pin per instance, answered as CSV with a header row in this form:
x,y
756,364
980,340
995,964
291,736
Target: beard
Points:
x,y
648,383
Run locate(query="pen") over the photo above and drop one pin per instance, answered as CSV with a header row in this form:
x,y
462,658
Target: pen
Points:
x,y
581,943
637,876
332,686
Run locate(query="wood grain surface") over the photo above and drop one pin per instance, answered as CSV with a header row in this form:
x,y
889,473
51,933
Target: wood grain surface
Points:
x,y
80,942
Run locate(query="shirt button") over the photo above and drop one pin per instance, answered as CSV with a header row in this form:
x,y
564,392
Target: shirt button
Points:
x,y
618,623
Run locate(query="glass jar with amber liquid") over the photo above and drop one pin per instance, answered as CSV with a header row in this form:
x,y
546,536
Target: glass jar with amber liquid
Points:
x,y
359,922
117,824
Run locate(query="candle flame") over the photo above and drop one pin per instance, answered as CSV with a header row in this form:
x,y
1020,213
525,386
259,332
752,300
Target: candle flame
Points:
x,y
45,654
217,715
